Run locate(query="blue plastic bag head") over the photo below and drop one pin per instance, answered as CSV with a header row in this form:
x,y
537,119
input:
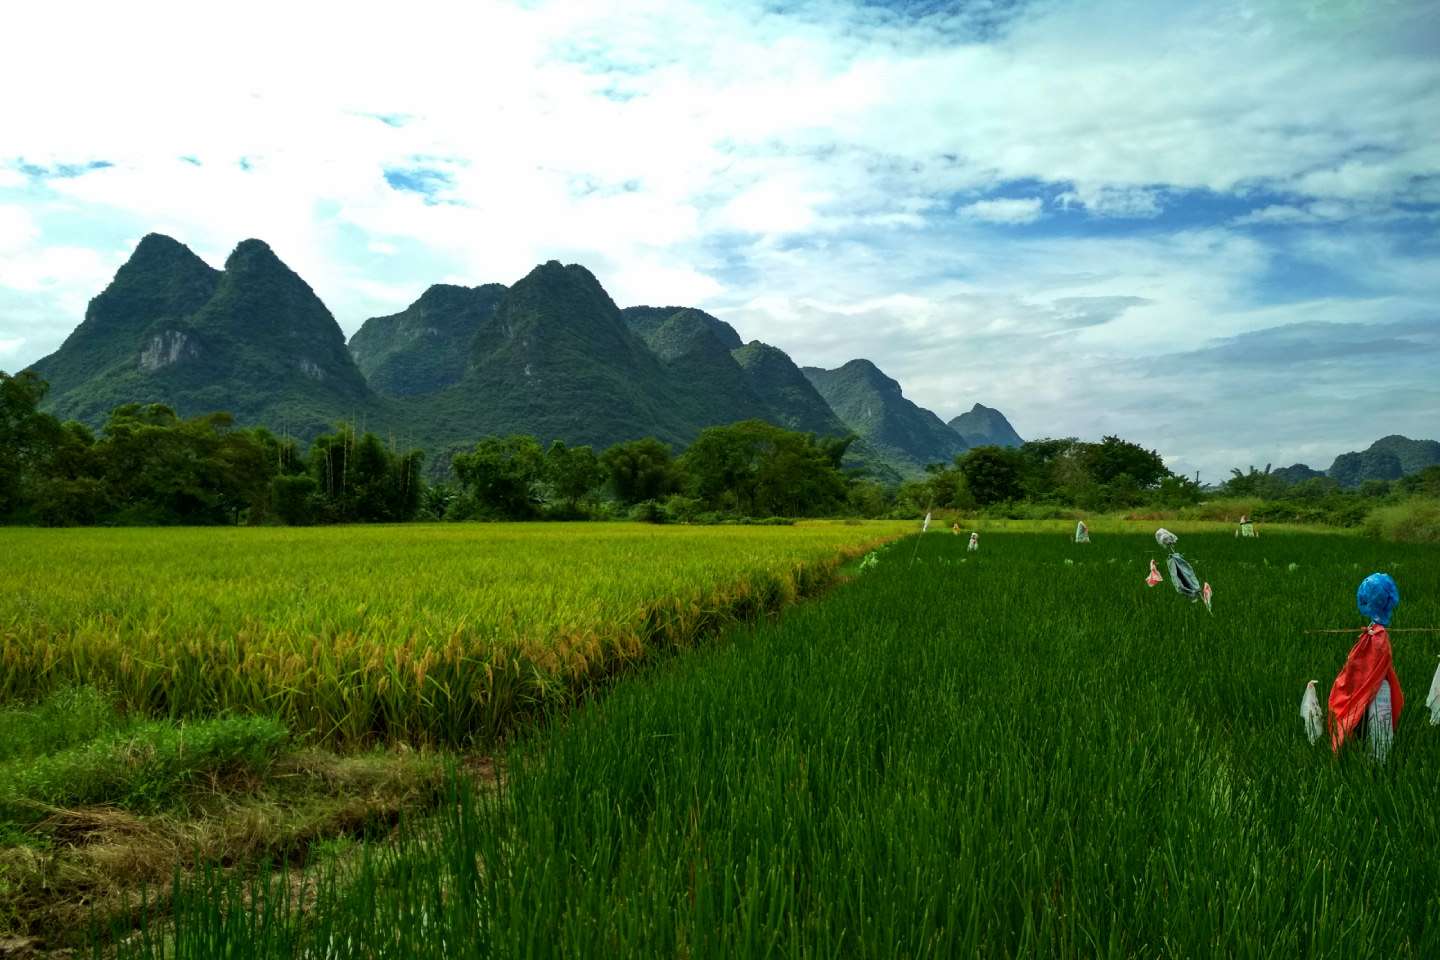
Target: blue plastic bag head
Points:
x,y
1377,598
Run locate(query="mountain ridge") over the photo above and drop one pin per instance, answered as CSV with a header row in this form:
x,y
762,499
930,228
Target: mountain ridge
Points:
x,y
873,405
551,355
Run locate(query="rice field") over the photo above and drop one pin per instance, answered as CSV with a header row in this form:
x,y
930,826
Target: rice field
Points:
x,y
425,633
1017,753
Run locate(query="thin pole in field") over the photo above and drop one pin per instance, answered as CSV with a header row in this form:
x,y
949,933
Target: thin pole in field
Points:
x,y
1396,630
921,535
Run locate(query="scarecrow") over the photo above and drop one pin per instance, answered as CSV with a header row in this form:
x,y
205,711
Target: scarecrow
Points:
x,y
1182,576
1366,700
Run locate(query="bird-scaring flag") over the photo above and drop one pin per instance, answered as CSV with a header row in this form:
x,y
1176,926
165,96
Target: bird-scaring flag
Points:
x,y
1433,701
974,543
1182,575
1082,532
1207,595
925,527
1154,576
1310,713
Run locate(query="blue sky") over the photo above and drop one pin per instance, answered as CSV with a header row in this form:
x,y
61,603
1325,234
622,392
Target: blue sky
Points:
x,y
1212,228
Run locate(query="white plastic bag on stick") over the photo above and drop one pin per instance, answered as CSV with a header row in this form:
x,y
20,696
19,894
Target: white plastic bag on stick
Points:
x,y
1310,713
1433,701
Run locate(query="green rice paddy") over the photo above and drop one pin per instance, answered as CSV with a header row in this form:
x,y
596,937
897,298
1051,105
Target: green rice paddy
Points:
x,y
1022,752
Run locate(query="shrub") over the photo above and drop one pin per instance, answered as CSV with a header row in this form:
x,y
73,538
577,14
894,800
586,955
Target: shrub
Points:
x,y
648,511
1412,521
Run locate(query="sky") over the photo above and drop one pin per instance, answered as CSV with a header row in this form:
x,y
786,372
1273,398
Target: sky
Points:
x,y
1212,228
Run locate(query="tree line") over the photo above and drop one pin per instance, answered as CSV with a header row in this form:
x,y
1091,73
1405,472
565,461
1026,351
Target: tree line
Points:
x,y
1323,499
147,465
1112,474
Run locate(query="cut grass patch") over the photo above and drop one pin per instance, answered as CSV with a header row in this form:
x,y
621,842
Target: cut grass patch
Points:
x,y
90,827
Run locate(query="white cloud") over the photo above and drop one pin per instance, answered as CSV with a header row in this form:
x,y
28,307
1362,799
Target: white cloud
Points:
x,y
17,230
1004,210
11,345
1134,203
798,170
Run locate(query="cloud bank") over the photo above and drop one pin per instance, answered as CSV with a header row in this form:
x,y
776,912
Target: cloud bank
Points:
x,y
1100,217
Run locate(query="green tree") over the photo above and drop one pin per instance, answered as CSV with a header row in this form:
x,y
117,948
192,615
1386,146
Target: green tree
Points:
x,y
867,499
295,498
1112,457
360,481
992,474
573,472
1176,491
640,470
1053,469
1254,483
499,476
27,437
161,469
436,500
1424,483
71,490
756,468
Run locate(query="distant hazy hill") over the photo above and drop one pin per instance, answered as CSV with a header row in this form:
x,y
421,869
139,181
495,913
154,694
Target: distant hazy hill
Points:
x,y
551,356
872,405
984,427
1297,473
1388,458
425,347
253,340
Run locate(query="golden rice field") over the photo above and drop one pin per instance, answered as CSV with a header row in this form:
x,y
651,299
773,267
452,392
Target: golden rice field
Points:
x,y
442,633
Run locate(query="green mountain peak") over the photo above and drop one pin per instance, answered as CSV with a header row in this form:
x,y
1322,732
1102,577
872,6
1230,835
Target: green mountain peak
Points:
x,y
254,340
426,346
647,320
161,282
872,405
558,361
984,426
